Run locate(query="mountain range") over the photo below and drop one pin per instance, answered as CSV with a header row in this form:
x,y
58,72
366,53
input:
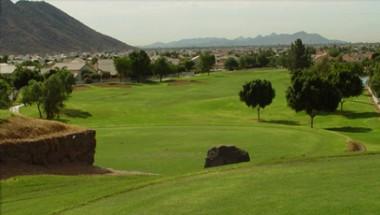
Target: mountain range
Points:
x,y
29,27
269,40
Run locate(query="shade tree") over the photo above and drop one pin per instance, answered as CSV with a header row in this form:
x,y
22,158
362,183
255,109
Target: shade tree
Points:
x,y
5,93
207,62
257,94
140,66
33,93
161,67
313,94
123,67
299,57
22,75
348,83
49,95
231,64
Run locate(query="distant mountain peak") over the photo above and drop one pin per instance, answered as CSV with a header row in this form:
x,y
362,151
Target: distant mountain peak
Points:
x,y
259,40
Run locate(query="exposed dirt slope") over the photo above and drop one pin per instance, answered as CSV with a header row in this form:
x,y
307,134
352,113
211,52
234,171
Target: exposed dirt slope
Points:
x,y
20,128
26,142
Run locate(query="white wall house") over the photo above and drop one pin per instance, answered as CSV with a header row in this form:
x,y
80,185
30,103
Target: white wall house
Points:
x,y
7,69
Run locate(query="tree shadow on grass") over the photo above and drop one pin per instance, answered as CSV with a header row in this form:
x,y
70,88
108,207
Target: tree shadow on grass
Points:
x,y
75,113
362,102
351,129
359,115
282,122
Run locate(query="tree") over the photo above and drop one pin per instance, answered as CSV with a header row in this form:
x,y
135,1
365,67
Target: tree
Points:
x,y
355,68
257,93
313,94
22,75
333,51
207,62
374,81
262,59
323,67
90,76
50,94
231,64
188,65
5,92
348,83
123,67
33,93
66,76
299,57
4,59
53,96
161,67
68,79
247,61
140,65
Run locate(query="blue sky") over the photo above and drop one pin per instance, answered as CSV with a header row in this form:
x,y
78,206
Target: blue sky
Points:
x,y
144,22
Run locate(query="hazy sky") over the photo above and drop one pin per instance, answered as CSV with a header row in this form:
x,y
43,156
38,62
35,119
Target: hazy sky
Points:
x,y
144,22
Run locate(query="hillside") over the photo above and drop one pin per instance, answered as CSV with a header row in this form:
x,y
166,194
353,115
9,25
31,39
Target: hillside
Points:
x,y
269,40
38,27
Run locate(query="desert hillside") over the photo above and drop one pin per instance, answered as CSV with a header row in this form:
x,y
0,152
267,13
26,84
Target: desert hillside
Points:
x,y
37,27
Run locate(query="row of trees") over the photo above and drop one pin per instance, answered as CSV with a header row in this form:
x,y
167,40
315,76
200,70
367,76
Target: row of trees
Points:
x,y
314,89
49,95
263,58
48,92
138,67
373,68
374,81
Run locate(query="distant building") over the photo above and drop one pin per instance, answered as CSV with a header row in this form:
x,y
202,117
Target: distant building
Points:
x,y
76,67
7,69
106,66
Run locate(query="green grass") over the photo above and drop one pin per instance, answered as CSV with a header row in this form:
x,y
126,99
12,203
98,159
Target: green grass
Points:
x,y
328,186
167,129
4,114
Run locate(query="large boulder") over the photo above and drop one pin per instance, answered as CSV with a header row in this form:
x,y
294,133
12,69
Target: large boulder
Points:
x,y
222,155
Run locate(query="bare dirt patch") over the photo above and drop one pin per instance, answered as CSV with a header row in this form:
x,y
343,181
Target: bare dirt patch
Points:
x,y
113,85
79,87
35,142
182,82
22,169
23,128
353,146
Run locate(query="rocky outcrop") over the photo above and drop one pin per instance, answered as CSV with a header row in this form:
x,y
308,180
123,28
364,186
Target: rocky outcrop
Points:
x,y
222,155
76,147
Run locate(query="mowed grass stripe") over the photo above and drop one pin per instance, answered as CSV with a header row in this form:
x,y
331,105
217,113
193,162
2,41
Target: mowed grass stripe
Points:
x,y
345,185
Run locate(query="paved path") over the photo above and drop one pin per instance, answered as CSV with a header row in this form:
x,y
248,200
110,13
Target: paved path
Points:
x,y
16,109
375,99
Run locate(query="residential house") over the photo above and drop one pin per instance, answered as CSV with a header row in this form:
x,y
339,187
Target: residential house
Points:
x,y
76,67
6,69
106,66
